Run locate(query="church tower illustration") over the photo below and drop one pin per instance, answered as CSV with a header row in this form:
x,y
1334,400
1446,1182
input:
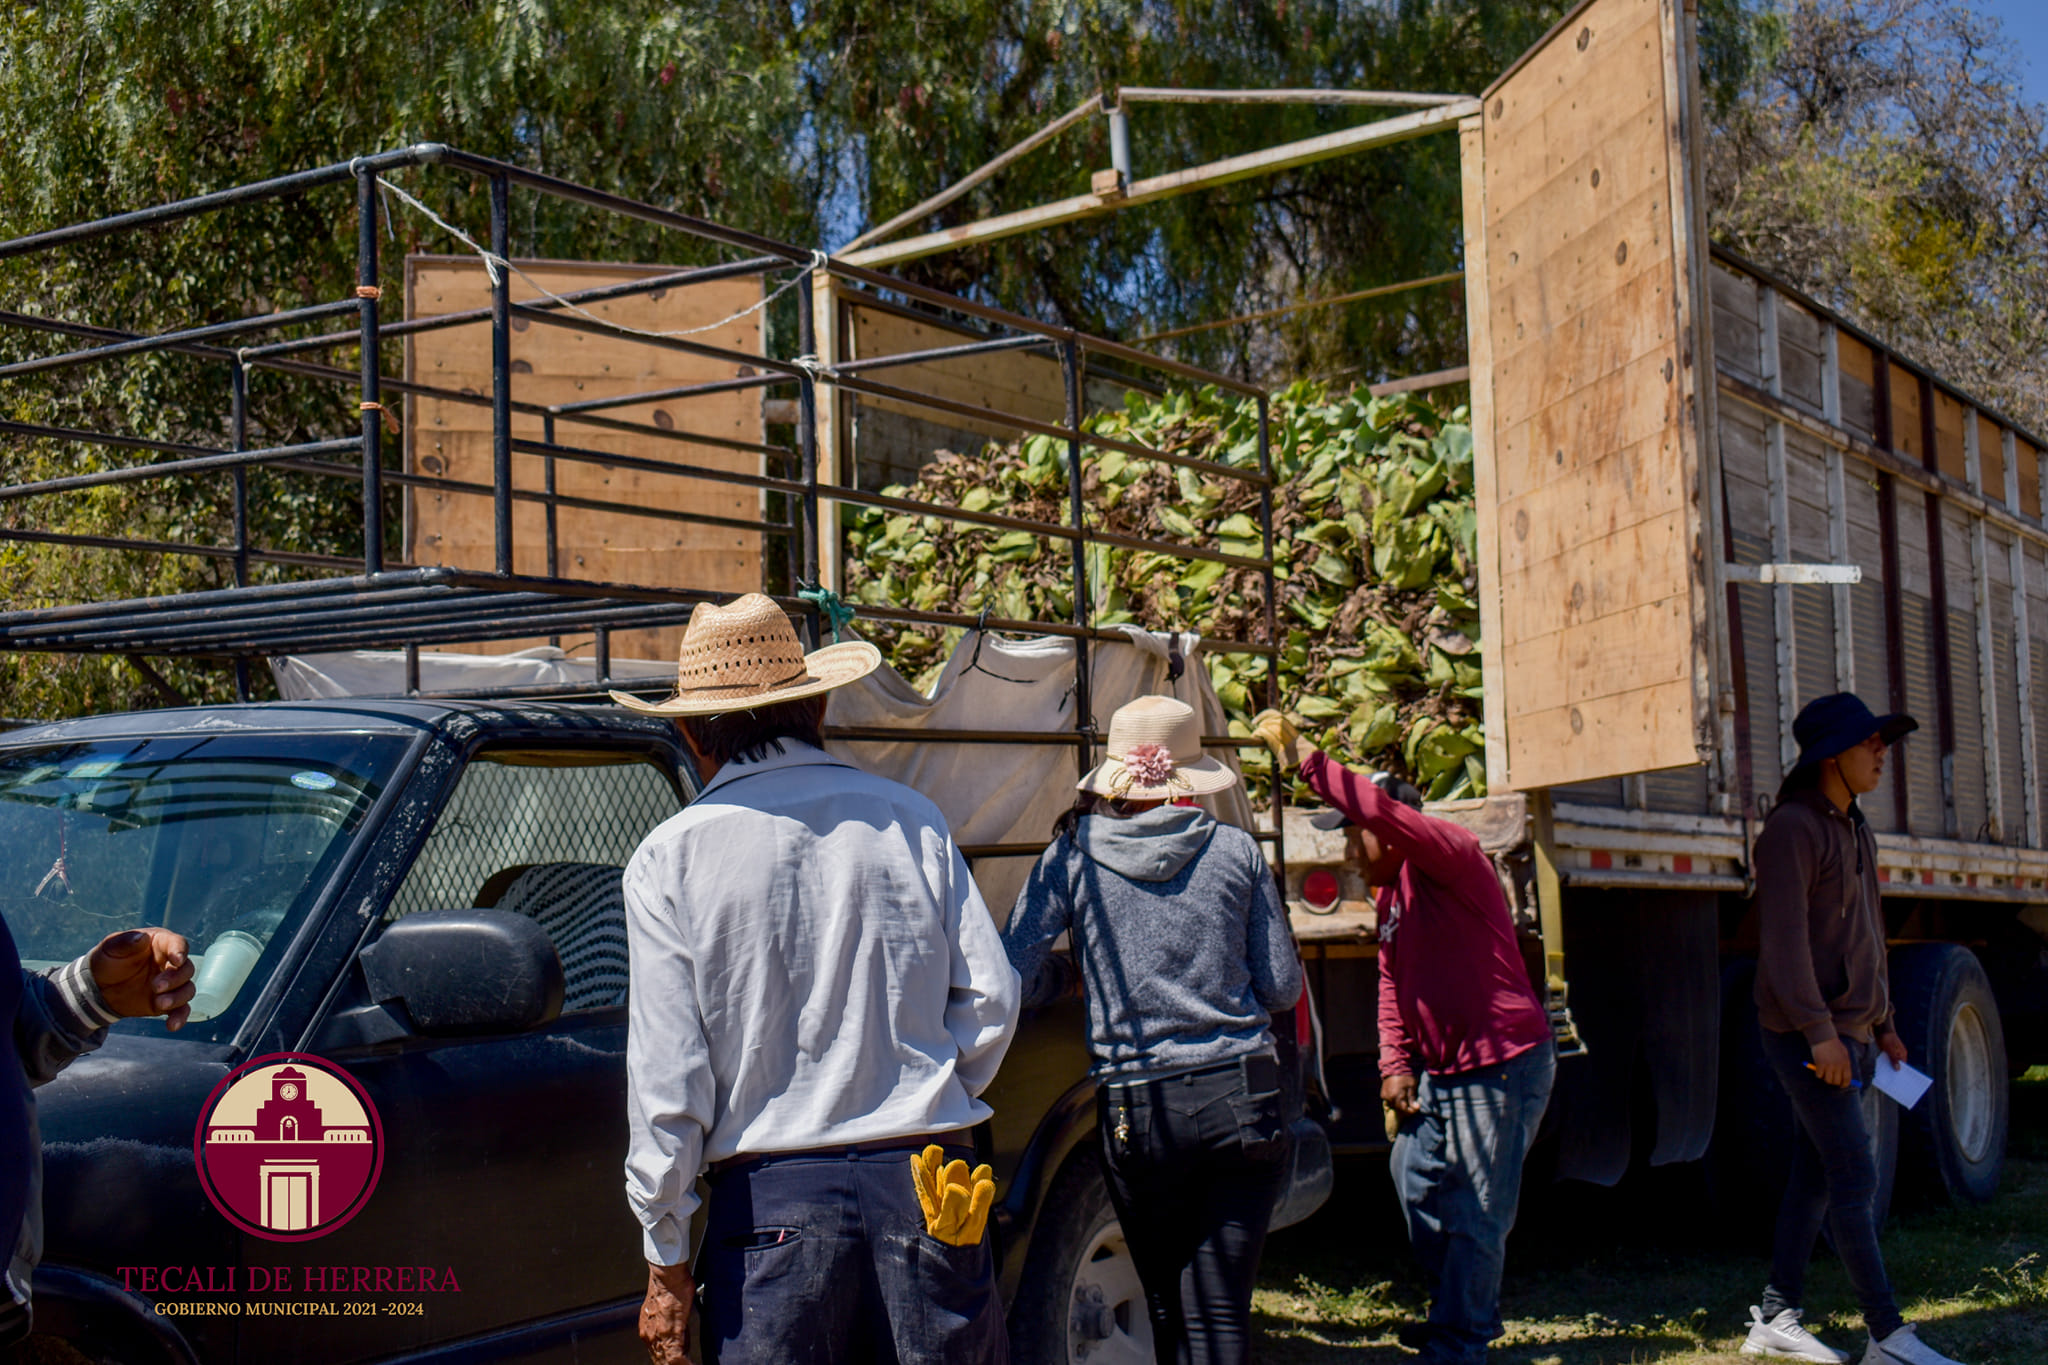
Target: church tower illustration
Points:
x,y
288,1115
287,1138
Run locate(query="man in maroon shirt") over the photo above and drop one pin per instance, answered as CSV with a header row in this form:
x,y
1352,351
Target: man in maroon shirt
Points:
x,y
1466,1060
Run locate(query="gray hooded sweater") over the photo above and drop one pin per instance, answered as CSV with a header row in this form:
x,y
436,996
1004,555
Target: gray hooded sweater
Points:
x,y
1184,949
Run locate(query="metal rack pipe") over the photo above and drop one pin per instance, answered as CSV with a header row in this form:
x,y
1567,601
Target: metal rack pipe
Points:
x,y
545,498
666,343
997,417
582,455
371,405
882,362
1019,323
501,375
627,400
653,284
171,341
296,183
202,464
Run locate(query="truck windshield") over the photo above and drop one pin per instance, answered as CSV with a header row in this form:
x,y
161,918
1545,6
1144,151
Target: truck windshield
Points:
x,y
225,839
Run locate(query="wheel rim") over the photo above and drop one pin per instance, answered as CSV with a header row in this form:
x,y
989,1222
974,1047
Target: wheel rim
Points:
x,y
1106,1319
1969,1082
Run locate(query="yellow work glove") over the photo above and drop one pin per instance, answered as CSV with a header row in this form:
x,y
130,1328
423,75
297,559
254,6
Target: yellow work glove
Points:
x,y
1281,735
955,1203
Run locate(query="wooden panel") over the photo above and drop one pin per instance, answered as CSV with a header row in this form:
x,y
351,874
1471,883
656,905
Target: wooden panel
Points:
x,y
1596,532
1907,438
1858,365
1799,360
1948,438
1622,490
2029,461
1024,383
1991,459
452,440
1627,722
1736,332
1541,291
1541,365
1485,444
1589,596
1598,659
1540,119
1566,438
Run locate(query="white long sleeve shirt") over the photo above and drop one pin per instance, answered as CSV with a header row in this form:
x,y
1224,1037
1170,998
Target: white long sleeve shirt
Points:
x,y
812,965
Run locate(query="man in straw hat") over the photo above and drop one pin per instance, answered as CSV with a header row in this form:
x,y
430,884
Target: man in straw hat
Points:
x,y
1466,1060
1825,1006
818,997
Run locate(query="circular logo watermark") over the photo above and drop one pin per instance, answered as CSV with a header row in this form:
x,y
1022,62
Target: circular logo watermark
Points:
x,y
288,1147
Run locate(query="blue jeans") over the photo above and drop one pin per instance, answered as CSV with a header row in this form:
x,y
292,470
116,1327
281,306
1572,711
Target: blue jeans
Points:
x,y
823,1259
1834,1178
1457,1167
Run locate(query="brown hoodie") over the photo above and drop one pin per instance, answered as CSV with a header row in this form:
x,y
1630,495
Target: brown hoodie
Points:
x,y
1821,970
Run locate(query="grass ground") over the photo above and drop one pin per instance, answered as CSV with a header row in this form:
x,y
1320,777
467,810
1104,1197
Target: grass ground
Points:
x,y
1602,1277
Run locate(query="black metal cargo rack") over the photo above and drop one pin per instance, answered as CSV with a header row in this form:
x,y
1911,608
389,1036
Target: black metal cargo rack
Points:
x,y
333,603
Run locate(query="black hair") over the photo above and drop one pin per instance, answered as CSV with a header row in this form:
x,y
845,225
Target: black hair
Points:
x,y
1088,803
1804,778
749,736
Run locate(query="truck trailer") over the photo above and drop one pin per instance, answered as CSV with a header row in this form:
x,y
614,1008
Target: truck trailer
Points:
x,y
1705,499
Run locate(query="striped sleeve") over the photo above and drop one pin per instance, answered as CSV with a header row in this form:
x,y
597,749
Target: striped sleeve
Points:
x,y
76,1002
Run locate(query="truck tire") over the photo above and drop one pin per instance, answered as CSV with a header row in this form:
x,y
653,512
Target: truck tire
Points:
x,y
1080,1302
1954,1139
1754,1130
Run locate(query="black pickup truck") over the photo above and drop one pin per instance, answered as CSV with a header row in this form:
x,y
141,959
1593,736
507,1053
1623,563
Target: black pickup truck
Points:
x,y
427,894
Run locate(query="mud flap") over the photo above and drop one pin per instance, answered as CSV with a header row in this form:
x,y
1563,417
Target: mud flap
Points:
x,y
1647,996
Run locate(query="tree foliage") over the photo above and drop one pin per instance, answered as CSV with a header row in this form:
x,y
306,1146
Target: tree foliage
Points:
x,y
1880,156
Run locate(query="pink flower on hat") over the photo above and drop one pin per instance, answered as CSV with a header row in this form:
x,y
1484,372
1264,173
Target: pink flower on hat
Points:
x,y
1150,765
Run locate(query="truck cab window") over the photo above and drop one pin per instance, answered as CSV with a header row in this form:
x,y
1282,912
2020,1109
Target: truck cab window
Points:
x,y
547,833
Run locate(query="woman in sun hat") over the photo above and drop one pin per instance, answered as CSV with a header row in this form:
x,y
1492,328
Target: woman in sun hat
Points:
x,y
1184,953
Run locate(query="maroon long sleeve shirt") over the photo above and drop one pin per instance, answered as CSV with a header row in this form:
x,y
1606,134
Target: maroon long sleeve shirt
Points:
x,y
1454,995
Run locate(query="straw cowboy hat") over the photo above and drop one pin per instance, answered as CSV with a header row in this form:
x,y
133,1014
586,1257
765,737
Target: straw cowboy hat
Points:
x,y
1155,754
746,655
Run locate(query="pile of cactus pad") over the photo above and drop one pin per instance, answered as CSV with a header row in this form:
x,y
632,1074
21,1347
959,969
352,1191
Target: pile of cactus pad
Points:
x,y
1377,599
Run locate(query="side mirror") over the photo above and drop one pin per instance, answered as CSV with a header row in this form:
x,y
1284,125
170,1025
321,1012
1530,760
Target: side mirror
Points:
x,y
466,971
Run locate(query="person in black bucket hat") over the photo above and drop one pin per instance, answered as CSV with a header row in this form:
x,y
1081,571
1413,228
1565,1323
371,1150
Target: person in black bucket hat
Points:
x,y
1827,727
1824,1001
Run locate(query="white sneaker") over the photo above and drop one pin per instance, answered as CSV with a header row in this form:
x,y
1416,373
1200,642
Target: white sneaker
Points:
x,y
1783,1336
1904,1347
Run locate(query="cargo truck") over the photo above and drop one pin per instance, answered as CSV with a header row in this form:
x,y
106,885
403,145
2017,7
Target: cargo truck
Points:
x,y
1705,499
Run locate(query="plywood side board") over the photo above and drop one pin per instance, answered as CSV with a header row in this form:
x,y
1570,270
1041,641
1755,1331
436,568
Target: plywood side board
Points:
x,y
1021,383
453,440
1597,541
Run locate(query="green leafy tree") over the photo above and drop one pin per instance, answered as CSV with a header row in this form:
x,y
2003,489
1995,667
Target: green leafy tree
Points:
x,y
1879,155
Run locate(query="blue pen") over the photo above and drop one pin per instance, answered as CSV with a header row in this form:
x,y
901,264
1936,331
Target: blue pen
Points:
x,y
1854,1083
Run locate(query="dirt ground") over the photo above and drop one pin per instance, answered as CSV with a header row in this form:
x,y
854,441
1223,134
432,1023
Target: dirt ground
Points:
x,y
1639,1274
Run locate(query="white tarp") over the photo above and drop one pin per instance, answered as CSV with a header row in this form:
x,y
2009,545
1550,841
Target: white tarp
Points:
x,y
1012,793
989,793
381,672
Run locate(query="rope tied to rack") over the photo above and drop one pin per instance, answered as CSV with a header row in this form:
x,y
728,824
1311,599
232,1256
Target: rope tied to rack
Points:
x,y
830,605
495,264
390,417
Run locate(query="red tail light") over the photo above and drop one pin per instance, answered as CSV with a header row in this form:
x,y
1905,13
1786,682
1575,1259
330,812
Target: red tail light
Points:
x,y
1320,890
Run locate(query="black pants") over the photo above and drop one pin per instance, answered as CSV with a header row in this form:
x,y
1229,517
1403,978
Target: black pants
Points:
x,y
1194,1180
1833,1181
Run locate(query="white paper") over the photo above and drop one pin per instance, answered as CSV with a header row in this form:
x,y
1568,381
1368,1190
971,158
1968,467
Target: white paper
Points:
x,y
1906,1085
